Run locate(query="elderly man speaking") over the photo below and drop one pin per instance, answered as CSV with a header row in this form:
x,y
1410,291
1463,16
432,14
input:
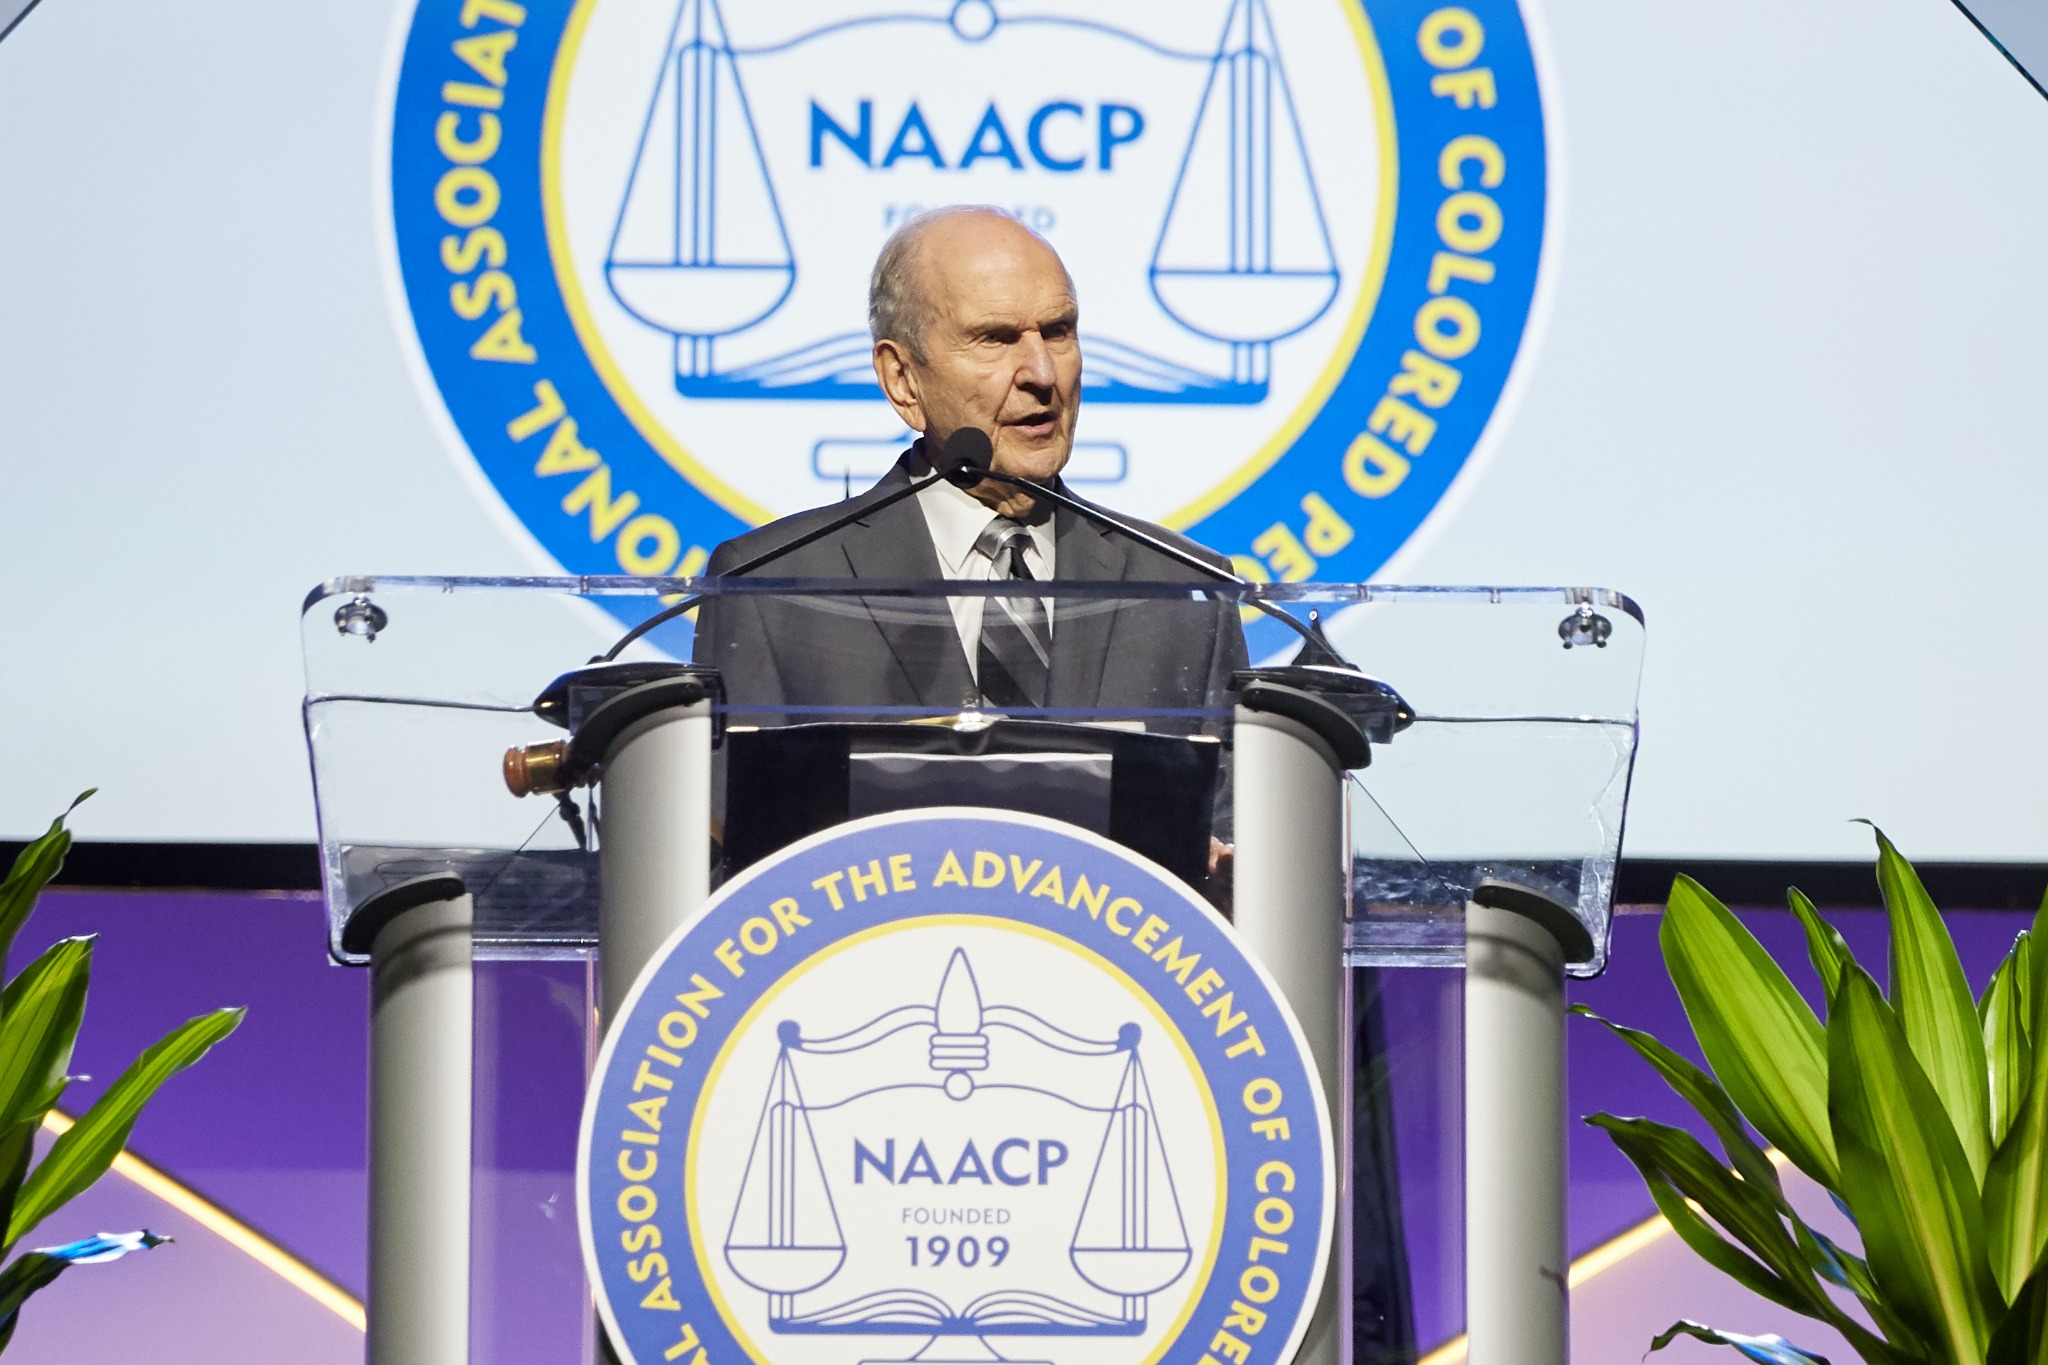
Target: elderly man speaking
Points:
x,y
976,326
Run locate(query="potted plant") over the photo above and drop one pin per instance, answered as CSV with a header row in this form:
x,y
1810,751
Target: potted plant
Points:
x,y
40,1011
1922,1110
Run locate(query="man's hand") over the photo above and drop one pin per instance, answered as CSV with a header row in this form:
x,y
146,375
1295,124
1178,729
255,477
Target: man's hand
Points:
x,y
1222,859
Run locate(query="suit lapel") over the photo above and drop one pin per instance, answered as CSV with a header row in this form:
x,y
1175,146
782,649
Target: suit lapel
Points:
x,y
895,543
1081,627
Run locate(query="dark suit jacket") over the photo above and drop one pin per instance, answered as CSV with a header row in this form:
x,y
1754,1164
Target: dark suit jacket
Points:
x,y
857,652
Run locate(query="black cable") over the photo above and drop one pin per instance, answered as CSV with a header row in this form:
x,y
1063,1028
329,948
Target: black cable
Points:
x,y
668,614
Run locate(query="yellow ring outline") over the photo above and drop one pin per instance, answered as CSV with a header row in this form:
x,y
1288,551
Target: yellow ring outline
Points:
x,y
1078,949
746,509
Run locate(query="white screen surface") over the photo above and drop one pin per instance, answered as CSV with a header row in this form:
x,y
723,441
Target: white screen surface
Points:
x,y
1785,388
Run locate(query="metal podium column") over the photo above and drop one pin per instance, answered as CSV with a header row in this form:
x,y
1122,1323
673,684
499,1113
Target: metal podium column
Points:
x,y
417,934
1290,751
1517,942
654,849
644,733
1288,882
647,734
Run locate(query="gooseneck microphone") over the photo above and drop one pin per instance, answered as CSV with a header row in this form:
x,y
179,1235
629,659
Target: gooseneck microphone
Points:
x,y
968,462
965,461
965,449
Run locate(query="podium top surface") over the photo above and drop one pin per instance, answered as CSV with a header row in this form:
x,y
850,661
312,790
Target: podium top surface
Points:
x,y
1501,722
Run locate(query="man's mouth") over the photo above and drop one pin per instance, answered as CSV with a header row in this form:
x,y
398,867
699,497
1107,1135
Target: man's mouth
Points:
x,y
1036,424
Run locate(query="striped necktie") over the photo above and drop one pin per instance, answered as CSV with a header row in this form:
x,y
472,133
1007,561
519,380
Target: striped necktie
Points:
x,y
1013,654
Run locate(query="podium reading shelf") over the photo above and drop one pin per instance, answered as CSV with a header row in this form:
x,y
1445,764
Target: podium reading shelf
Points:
x,y
1449,792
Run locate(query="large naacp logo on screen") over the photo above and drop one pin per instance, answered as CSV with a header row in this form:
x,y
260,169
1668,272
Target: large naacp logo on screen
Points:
x,y
633,238
955,1086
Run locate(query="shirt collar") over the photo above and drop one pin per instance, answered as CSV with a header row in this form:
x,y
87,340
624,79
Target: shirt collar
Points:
x,y
956,519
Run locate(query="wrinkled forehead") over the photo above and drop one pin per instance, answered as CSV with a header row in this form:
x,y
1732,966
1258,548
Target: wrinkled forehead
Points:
x,y
988,269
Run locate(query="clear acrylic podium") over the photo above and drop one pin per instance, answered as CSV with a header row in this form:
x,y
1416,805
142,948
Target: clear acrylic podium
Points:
x,y
1443,785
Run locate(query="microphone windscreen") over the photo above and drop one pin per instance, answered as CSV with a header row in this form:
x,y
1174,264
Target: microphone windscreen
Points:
x,y
967,448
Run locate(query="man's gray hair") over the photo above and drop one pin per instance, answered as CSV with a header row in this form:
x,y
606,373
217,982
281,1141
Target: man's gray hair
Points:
x,y
899,307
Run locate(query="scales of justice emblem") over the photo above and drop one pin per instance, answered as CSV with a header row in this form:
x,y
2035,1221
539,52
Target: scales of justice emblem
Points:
x,y
728,174
1075,1132
682,201
1240,250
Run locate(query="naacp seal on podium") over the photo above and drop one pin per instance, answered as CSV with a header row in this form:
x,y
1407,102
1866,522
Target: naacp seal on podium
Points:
x,y
955,1086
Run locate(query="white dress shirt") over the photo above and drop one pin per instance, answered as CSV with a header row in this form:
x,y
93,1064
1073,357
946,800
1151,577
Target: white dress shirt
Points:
x,y
956,519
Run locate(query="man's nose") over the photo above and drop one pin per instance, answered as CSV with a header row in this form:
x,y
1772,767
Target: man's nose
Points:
x,y
1035,374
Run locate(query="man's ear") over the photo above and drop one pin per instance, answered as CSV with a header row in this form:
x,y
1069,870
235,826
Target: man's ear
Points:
x,y
899,383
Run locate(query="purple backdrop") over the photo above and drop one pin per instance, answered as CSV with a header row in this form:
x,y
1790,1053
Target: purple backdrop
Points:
x,y
271,1126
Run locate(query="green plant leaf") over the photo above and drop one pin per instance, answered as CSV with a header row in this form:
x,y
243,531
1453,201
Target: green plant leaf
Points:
x,y
23,1277
33,869
82,1154
2037,994
2023,976
2022,1337
1906,1178
1825,946
1705,1095
1716,1250
1828,1260
1651,1148
1838,1265
35,1270
1689,1187
102,1247
1765,1350
17,1145
1934,1005
1759,1036
1781,1272
2016,1184
2007,1052
39,1016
